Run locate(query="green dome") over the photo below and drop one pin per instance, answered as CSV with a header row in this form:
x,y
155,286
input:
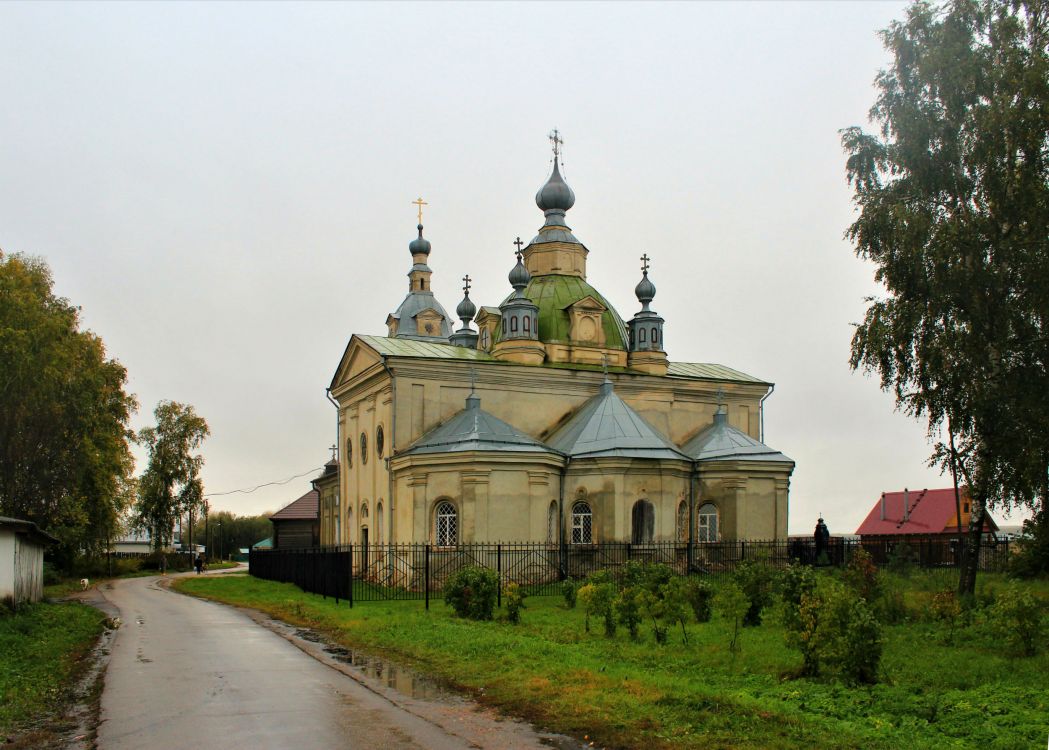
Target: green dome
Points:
x,y
553,293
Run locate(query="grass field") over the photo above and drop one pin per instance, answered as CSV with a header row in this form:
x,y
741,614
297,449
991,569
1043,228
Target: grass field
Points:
x,y
624,694
42,649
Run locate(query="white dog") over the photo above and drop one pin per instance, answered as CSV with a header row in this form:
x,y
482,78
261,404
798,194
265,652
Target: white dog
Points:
x,y
84,583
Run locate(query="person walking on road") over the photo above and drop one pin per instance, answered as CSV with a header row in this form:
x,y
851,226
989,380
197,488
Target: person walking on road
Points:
x,y
198,563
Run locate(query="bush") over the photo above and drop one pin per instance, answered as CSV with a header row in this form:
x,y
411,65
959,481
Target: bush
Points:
x,y
700,595
568,592
837,632
471,592
628,606
892,608
514,597
1017,619
756,583
946,608
861,575
901,559
598,600
670,606
796,582
734,604
1032,555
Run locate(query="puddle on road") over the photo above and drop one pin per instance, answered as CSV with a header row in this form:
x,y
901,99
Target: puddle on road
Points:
x,y
413,684
404,681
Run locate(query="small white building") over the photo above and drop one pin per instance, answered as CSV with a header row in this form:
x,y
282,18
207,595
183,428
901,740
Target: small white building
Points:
x,y
22,547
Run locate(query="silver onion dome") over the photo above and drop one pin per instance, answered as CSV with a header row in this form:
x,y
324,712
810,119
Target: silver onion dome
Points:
x,y
555,195
420,245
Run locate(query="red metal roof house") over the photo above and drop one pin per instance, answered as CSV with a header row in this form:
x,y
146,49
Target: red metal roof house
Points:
x,y
919,512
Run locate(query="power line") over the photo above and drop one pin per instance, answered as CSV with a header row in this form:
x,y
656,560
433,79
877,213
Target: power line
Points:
x,y
248,491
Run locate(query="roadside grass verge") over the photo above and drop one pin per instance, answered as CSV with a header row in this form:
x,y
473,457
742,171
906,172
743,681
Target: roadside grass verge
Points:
x,y
624,694
43,648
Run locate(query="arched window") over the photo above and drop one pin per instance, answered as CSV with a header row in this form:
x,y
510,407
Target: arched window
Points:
x,y
682,521
655,336
513,324
349,525
378,523
527,323
707,523
364,448
552,537
582,524
643,522
446,525
642,337
380,441
504,326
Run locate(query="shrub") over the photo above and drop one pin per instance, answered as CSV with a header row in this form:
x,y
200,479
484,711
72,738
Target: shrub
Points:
x,y
669,607
628,606
471,592
568,591
734,604
796,582
699,595
514,597
1032,555
901,559
1017,619
756,583
598,599
861,575
837,632
947,609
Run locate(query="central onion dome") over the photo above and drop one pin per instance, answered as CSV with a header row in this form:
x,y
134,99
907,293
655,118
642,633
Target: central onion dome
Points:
x,y
645,291
555,195
466,309
420,245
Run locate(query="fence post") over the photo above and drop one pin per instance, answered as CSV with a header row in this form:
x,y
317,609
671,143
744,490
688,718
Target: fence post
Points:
x,y
499,572
351,577
743,549
426,576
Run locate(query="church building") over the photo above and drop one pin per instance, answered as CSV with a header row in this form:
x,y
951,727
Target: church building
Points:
x,y
553,421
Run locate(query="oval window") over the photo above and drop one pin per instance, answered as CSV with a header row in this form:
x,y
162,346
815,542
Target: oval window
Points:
x,y
349,453
364,448
380,441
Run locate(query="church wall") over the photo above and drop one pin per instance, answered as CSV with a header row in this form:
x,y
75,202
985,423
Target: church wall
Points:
x,y
365,484
537,399
494,503
613,486
751,500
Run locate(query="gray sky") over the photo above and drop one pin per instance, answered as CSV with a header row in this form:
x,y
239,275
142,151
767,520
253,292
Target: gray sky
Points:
x,y
225,189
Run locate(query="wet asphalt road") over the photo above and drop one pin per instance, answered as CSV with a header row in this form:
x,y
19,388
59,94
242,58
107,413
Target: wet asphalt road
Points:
x,y
185,673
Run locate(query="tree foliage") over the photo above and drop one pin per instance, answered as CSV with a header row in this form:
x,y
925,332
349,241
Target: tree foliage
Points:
x,y
171,486
65,461
953,199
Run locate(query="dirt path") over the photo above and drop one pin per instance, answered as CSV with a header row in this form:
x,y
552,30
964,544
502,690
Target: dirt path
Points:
x,y
189,673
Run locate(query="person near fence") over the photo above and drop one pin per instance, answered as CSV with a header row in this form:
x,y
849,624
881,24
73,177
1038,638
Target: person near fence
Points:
x,y
821,536
198,563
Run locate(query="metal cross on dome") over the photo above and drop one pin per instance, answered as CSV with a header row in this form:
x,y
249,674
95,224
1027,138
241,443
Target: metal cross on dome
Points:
x,y
466,285
473,380
720,396
518,243
557,141
420,203
644,263
334,451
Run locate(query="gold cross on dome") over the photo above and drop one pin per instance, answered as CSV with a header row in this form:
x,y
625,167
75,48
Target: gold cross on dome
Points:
x,y
557,141
420,203
644,263
466,284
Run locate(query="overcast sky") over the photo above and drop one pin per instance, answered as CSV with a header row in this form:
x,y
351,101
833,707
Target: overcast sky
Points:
x,y
225,190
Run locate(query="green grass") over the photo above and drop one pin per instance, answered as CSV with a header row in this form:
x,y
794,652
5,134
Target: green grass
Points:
x,y
625,694
42,648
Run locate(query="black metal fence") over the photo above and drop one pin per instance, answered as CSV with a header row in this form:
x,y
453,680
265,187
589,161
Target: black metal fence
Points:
x,y
355,573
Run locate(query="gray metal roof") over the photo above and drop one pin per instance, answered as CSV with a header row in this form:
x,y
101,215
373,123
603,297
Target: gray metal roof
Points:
x,y
474,429
709,371
721,441
21,526
400,347
415,303
606,426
